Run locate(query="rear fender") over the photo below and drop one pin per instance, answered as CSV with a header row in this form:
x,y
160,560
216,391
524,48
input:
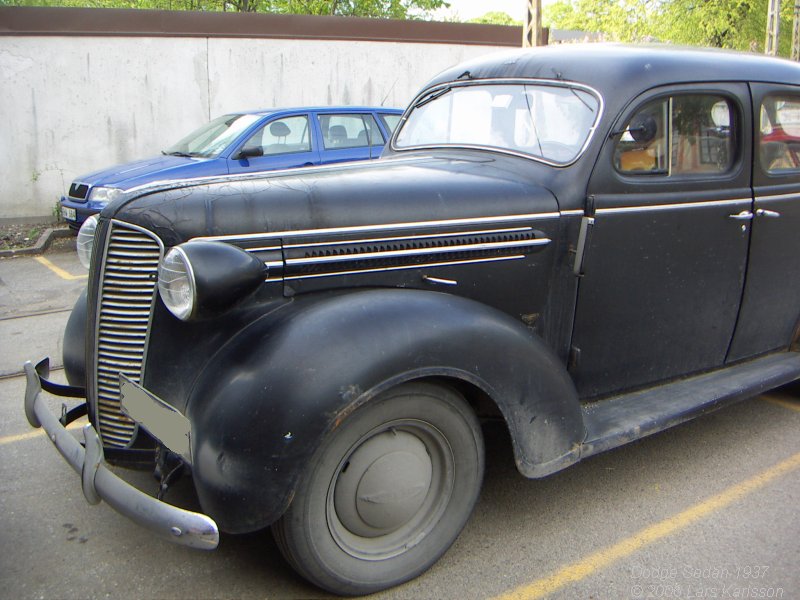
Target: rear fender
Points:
x,y
263,404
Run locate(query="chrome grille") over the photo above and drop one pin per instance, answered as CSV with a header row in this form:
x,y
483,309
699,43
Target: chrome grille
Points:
x,y
126,294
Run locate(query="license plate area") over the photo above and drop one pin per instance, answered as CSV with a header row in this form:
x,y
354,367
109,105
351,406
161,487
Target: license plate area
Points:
x,y
69,213
160,419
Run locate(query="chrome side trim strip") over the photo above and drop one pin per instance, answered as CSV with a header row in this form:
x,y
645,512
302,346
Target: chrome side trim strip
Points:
x,y
795,196
246,237
260,249
403,268
682,206
406,237
356,257
572,213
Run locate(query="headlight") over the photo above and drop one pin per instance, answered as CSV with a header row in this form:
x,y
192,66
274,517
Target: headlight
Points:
x,y
103,195
86,240
201,279
176,284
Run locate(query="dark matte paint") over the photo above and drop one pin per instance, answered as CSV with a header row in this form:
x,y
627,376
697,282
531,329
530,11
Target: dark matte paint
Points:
x,y
264,381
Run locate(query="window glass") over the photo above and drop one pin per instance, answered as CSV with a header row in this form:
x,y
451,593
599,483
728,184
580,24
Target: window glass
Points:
x,y
282,136
391,121
545,121
691,134
779,142
374,132
349,131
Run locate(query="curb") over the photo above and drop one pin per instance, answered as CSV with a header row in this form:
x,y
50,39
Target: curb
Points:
x,y
41,245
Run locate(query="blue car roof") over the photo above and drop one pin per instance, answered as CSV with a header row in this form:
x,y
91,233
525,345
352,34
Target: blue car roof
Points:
x,y
322,109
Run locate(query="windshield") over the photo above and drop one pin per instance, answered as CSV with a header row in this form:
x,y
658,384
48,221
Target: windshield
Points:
x,y
212,138
549,122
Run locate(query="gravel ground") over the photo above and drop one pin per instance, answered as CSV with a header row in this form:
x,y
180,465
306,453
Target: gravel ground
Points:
x,y
16,236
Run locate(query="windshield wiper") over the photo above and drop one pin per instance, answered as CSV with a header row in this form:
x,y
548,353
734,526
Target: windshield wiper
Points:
x,y
184,154
433,96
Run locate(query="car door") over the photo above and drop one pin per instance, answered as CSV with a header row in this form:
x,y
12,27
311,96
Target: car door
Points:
x,y
666,240
771,303
281,143
349,136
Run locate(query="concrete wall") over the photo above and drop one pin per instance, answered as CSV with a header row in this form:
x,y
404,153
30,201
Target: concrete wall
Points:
x,y
75,103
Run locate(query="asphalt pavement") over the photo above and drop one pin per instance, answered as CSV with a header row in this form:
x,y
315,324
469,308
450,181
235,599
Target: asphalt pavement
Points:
x,y
706,510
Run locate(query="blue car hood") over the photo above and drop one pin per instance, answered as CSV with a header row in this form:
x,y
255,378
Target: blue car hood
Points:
x,y
139,172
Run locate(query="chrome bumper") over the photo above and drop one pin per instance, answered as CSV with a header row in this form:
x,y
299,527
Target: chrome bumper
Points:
x,y
100,483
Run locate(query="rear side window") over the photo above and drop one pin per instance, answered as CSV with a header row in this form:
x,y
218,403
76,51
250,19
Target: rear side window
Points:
x,y
349,131
680,135
779,140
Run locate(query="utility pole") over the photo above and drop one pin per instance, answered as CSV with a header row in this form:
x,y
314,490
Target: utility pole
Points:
x,y
532,29
796,32
773,27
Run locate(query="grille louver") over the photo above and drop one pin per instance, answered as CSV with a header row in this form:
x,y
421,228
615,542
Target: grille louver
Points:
x,y
126,295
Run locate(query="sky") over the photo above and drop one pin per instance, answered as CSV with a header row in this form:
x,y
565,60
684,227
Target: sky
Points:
x,y
469,9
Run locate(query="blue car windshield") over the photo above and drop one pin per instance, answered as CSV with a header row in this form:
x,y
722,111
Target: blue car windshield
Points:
x,y
212,138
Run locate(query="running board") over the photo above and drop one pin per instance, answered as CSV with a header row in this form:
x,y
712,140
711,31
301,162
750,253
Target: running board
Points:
x,y
618,420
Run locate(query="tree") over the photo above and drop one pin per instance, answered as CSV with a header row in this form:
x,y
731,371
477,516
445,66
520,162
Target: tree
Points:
x,y
496,18
386,9
734,24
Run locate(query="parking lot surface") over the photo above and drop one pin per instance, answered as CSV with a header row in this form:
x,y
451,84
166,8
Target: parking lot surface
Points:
x,y
706,510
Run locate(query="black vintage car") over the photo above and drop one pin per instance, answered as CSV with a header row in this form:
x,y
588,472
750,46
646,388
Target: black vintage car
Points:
x,y
590,243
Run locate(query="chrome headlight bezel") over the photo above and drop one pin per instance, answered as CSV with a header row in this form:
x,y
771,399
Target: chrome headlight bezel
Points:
x,y
85,241
202,279
177,284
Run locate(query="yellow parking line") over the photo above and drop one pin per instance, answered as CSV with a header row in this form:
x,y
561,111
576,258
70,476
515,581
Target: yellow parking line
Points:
x,y
782,402
608,556
58,270
21,437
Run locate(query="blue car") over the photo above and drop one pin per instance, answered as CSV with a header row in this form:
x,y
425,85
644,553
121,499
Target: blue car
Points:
x,y
244,142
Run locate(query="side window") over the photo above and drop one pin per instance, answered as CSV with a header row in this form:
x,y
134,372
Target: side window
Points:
x,y
390,121
282,136
349,131
688,134
779,141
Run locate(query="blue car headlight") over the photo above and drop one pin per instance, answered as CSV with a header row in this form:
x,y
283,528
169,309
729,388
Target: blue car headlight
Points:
x,y
100,196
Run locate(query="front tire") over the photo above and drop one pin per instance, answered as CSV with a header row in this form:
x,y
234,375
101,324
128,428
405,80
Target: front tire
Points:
x,y
387,492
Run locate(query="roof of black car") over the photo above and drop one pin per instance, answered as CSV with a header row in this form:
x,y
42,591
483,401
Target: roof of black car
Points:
x,y
608,67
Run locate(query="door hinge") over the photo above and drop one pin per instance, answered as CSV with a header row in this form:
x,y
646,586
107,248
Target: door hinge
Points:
x,y
587,223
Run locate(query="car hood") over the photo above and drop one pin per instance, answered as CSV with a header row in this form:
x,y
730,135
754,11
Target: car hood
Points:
x,y
140,172
384,192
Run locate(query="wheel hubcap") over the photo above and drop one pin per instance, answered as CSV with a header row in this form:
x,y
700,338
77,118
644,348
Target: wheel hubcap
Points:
x,y
390,490
384,484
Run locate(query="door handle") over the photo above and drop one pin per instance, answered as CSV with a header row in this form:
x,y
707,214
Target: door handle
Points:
x,y
761,212
745,215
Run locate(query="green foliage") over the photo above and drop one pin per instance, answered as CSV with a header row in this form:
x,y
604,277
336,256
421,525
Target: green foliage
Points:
x,y
388,9
735,24
496,18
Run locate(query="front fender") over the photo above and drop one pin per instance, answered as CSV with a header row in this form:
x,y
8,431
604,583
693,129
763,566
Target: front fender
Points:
x,y
265,401
74,347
